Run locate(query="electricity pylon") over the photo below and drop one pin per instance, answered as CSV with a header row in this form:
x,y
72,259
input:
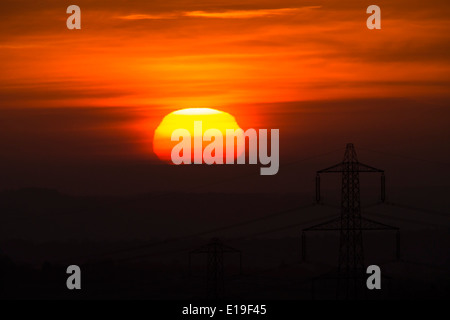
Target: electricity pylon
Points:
x,y
215,251
350,223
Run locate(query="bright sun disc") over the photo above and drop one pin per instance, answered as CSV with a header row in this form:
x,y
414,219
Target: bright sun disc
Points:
x,y
184,119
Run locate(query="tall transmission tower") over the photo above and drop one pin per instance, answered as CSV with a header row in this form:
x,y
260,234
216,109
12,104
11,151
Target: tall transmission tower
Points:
x,y
215,251
350,223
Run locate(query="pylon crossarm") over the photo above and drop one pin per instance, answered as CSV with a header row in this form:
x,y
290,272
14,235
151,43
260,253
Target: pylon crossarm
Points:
x,y
340,168
336,168
365,168
200,250
230,249
368,224
334,224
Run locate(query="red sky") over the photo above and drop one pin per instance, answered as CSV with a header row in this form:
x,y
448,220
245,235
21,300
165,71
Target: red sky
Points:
x,y
217,53
310,68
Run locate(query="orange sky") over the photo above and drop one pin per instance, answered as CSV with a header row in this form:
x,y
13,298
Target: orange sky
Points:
x,y
179,54
309,68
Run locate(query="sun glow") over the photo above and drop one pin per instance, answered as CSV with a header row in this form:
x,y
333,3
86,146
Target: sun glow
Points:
x,y
184,119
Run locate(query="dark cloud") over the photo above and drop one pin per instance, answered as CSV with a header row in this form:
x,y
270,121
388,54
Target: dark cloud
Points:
x,y
73,135
56,91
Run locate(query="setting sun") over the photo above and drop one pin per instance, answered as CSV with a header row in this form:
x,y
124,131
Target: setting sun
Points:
x,y
184,119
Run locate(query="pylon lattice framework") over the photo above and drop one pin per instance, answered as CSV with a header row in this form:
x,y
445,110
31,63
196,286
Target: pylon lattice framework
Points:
x,y
350,223
215,251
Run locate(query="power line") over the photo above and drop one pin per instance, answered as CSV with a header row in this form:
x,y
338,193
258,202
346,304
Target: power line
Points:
x,y
427,211
257,174
402,219
163,194
286,227
205,232
406,157
290,226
